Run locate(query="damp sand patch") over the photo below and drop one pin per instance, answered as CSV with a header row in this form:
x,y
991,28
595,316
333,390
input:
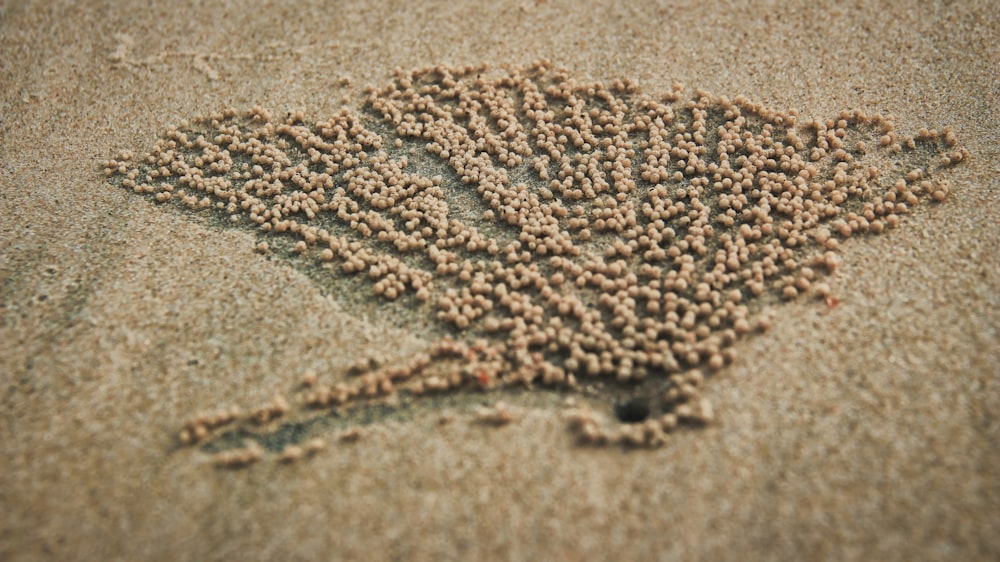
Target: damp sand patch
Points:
x,y
543,233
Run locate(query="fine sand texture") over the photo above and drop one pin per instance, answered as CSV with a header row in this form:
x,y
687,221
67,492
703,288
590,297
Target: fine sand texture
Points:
x,y
865,426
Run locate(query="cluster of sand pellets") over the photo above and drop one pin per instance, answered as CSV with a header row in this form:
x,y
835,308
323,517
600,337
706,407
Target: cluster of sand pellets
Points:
x,y
561,233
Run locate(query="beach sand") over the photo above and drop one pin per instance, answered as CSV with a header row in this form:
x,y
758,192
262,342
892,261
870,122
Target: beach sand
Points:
x,y
868,431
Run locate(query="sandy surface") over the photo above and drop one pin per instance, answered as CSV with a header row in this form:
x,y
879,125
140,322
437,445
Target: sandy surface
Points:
x,y
868,431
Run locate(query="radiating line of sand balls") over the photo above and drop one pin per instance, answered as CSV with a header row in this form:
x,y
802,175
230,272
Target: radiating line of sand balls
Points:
x,y
620,235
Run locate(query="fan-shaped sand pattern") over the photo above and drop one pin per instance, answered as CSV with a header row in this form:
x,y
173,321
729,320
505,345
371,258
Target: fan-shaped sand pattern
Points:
x,y
558,232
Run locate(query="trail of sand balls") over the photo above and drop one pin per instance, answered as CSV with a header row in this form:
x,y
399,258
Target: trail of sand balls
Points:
x,y
562,232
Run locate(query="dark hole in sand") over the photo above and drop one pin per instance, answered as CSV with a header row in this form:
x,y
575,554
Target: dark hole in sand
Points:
x,y
634,410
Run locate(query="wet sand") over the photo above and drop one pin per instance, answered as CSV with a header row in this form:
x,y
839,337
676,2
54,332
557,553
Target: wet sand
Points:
x,y
865,431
